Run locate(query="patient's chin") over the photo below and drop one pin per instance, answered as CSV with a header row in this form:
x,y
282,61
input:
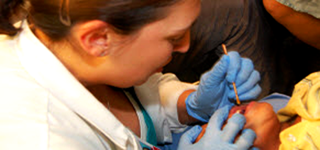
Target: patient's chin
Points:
x,y
267,136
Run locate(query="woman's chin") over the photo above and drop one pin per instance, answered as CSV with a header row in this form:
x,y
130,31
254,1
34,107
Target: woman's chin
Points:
x,y
159,70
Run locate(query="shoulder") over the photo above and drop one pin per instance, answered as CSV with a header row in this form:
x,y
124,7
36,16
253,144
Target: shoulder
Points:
x,y
33,117
22,113
8,57
21,98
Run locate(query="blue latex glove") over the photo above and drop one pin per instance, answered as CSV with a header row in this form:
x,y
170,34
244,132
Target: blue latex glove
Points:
x,y
216,139
216,90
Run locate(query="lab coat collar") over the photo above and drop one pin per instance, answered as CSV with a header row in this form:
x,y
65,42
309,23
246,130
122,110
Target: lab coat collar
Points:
x,y
50,73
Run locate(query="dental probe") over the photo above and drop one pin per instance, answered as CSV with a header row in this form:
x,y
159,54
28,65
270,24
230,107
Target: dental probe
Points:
x,y
234,85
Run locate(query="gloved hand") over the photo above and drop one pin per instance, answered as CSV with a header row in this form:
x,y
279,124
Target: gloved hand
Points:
x,y
216,90
216,139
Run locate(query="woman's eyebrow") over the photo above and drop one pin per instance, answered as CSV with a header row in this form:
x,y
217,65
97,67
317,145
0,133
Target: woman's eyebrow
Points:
x,y
182,30
185,28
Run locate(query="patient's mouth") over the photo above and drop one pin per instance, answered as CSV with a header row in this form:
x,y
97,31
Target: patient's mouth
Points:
x,y
238,109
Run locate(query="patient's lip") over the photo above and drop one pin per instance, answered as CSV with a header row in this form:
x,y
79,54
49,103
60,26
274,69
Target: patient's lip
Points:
x,y
250,105
238,109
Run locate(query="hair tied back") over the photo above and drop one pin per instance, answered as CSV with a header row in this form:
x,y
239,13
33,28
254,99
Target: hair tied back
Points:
x,y
64,12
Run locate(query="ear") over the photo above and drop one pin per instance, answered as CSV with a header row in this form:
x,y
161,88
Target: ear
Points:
x,y
93,37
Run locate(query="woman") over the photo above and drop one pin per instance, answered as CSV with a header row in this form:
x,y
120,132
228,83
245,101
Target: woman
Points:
x,y
62,70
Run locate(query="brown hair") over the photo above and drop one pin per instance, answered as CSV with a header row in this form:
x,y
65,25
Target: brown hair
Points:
x,y
7,9
56,17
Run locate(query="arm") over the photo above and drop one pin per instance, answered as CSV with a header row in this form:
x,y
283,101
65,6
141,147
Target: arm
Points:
x,y
302,25
171,103
159,96
215,89
183,115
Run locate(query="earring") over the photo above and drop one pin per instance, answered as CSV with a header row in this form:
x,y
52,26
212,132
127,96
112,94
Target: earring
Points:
x,y
103,50
103,53
101,44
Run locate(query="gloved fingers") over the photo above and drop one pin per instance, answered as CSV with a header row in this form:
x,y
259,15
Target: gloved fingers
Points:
x,y
217,120
234,66
192,106
217,73
245,71
251,82
233,127
225,100
246,139
190,136
252,94
254,148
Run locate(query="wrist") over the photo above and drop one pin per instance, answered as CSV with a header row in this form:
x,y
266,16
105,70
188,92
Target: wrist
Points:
x,y
183,114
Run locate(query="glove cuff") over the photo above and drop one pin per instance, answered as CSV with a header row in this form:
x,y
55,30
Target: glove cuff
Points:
x,y
193,111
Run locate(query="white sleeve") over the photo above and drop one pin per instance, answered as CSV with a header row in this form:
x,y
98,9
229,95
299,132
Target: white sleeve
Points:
x,y
159,96
311,7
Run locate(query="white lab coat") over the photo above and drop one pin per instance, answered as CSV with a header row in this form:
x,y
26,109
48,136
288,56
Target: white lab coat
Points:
x,y
42,106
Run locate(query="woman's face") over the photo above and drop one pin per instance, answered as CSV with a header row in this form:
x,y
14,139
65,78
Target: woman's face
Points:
x,y
261,118
150,50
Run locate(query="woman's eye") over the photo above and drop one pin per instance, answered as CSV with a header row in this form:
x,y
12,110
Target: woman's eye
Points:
x,y
176,40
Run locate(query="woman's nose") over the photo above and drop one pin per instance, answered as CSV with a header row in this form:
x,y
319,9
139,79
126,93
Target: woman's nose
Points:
x,y
183,47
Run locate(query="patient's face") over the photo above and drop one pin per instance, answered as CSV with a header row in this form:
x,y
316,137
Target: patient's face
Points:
x,y
260,118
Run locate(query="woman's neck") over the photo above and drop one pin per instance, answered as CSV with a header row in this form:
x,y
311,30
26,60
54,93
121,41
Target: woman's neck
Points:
x,y
118,104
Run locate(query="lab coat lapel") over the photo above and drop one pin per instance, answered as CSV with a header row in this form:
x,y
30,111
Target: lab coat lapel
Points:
x,y
52,75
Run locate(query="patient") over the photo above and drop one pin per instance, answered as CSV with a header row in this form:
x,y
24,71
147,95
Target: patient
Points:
x,y
296,126
267,126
